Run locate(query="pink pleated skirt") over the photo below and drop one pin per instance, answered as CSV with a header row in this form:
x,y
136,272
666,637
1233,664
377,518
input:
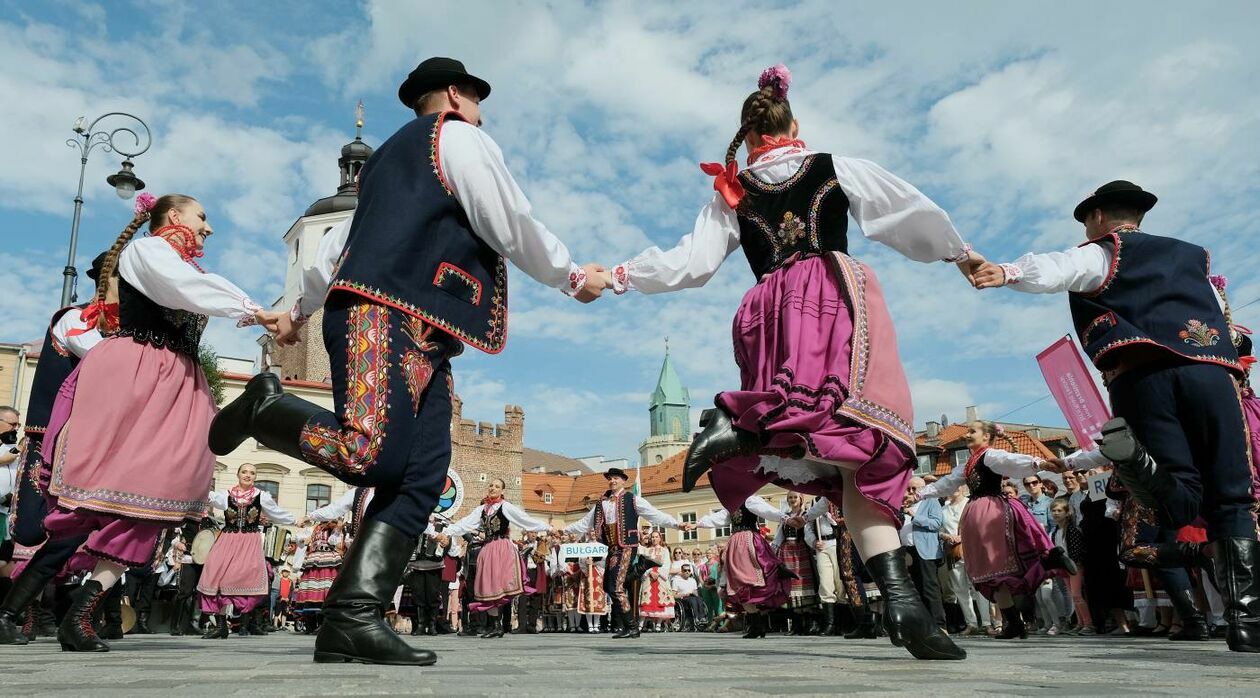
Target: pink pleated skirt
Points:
x,y
500,576
752,577
1004,546
235,567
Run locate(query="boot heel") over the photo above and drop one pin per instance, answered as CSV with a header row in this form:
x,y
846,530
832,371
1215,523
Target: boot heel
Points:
x,y
331,658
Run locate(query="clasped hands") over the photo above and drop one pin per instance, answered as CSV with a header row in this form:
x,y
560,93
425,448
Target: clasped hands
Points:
x,y
598,280
980,272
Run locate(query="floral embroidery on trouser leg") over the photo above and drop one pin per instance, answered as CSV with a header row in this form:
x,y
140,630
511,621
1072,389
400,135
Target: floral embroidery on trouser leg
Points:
x,y
354,447
416,364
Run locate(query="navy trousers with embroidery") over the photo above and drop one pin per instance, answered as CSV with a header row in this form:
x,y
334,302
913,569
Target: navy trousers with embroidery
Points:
x,y
1190,420
391,428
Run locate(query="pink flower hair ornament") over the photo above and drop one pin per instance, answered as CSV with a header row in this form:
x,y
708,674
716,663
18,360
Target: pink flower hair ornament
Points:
x,y
778,76
145,202
999,429
1218,281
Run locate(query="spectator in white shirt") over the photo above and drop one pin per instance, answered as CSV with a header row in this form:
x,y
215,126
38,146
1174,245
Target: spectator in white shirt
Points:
x,y
687,597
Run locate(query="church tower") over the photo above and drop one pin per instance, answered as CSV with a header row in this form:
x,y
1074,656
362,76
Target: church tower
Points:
x,y
308,360
669,414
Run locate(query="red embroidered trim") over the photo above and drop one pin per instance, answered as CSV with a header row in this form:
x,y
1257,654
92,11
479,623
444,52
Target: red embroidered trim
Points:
x,y
446,268
1105,317
1115,263
435,153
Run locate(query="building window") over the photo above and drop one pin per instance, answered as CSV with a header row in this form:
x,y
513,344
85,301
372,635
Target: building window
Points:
x,y
481,477
723,532
271,487
317,496
660,459
546,498
689,517
927,464
518,482
961,456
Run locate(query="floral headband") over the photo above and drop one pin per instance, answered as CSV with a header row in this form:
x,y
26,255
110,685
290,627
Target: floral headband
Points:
x,y
779,77
145,203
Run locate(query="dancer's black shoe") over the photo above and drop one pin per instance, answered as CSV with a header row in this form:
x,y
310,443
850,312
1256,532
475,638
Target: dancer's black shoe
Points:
x,y
219,630
234,423
354,629
1012,625
719,441
1148,483
758,625
1193,624
1236,561
905,617
76,633
629,627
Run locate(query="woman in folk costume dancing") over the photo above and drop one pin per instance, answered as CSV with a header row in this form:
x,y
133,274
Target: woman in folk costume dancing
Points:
x,y
791,548
129,456
824,406
1009,554
756,581
236,576
656,598
500,569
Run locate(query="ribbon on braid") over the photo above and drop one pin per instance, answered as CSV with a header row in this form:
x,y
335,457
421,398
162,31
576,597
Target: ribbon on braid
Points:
x,y
725,181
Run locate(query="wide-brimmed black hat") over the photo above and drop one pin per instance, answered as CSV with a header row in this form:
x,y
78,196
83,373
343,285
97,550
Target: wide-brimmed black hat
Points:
x,y
436,73
616,472
1117,192
97,264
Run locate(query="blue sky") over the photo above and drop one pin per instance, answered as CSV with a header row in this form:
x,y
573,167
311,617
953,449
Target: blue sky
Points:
x,y
1005,113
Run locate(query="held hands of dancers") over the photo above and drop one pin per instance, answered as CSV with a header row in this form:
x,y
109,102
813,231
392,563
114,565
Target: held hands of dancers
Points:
x,y
598,279
281,326
969,266
989,275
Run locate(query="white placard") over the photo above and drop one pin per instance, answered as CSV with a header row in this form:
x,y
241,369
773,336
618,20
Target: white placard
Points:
x,y
569,551
1098,486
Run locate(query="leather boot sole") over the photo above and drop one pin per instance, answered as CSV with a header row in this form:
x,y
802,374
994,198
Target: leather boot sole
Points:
x,y
338,658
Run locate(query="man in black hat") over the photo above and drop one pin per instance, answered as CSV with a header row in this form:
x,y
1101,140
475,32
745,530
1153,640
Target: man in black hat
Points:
x,y
66,341
419,273
1150,320
615,519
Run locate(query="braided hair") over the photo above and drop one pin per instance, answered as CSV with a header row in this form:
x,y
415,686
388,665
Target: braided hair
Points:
x,y
155,217
764,112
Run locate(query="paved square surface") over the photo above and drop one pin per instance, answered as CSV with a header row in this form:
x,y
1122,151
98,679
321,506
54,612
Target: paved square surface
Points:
x,y
655,665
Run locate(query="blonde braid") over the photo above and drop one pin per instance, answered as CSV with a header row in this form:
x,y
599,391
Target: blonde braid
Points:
x,y
111,260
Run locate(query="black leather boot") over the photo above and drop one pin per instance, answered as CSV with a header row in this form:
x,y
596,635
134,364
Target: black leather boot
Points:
x,y
829,619
177,618
1193,624
142,624
235,422
76,633
1012,625
1141,475
26,589
758,624
1236,561
219,630
719,441
495,624
629,626
474,626
354,629
111,610
865,629
422,618
905,617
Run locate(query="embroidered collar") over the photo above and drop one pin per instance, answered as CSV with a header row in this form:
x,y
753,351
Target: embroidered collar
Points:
x,y
772,143
1124,228
184,242
242,496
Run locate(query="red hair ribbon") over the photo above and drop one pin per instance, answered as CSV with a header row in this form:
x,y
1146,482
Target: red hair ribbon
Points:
x,y
726,181
92,314
1247,362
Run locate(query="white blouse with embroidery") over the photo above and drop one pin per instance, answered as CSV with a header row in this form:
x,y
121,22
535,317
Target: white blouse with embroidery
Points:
x,y
153,267
1001,462
887,209
758,506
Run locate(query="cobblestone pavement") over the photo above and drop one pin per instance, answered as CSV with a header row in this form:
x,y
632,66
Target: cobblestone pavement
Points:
x,y
655,665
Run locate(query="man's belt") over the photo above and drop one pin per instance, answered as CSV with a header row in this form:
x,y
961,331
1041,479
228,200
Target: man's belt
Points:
x,y
829,536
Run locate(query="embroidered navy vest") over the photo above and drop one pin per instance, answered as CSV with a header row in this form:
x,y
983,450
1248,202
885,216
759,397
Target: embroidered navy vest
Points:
x,y
246,518
147,322
806,214
495,525
624,532
54,365
412,248
358,506
1156,295
742,519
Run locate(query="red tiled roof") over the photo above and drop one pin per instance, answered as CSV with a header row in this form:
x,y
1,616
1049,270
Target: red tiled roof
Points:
x,y
576,493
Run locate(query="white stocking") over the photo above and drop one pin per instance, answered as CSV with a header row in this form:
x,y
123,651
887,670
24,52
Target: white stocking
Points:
x,y
869,526
107,573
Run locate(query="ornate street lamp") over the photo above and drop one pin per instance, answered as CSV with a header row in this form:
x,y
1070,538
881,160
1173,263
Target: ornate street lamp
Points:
x,y
125,182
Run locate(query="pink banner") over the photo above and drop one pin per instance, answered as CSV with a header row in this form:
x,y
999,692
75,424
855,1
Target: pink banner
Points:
x,y
1073,388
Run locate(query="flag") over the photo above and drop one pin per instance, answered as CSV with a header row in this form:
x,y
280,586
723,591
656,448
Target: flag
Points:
x,y
1074,389
637,489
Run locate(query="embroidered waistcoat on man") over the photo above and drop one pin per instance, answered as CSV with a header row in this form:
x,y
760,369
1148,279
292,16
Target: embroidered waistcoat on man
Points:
x,y
805,215
412,248
147,322
358,509
55,364
1156,295
624,532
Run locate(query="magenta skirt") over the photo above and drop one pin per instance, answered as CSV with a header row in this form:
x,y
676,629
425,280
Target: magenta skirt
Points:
x,y
500,576
795,336
235,573
1251,415
752,572
1003,546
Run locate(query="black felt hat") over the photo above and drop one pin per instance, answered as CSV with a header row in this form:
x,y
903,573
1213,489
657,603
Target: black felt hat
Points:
x,y
436,73
1117,192
616,472
95,272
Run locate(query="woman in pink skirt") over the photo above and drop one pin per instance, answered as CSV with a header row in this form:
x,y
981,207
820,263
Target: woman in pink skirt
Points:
x,y
236,575
823,406
1008,553
756,581
500,568
127,438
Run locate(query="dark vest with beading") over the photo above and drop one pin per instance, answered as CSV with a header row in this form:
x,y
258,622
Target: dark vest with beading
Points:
x,y
805,215
411,246
1156,295
147,322
54,366
982,481
742,519
243,518
624,532
495,525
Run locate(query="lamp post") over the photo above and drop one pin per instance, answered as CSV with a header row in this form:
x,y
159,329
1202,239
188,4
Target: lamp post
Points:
x,y
125,182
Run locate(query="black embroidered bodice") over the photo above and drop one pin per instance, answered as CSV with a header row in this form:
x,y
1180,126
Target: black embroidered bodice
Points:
x,y
793,533
806,214
983,482
243,518
743,520
495,525
149,323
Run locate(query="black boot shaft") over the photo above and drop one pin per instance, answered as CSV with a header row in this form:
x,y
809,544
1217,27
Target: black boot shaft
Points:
x,y
1236,561
76,633
905,617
